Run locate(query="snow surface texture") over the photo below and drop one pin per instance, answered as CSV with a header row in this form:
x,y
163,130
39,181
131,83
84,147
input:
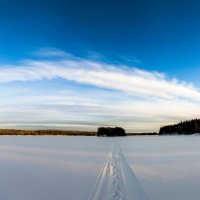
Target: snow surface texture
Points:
x,y
60,168
117,180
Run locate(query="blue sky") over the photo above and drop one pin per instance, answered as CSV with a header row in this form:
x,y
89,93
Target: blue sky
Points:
x,y
82,64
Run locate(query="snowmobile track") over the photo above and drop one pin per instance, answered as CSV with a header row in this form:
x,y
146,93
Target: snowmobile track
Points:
x,y
117,180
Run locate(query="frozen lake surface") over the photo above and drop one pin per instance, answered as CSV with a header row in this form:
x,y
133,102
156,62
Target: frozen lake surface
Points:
x,y
60,168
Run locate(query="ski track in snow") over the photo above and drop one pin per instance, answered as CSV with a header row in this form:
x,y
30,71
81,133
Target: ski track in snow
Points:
x,y
117,180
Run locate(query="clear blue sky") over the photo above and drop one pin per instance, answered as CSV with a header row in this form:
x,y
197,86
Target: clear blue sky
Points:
x,y
155,40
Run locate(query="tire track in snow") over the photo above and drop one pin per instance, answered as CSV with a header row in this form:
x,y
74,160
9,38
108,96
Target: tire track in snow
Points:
x,y
117,180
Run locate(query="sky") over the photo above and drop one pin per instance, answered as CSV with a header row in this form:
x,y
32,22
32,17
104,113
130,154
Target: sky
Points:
x,y
73,64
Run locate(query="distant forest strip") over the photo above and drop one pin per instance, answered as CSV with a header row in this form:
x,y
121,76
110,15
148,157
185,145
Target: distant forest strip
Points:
x,y
45,132
141,134
183,128
59,132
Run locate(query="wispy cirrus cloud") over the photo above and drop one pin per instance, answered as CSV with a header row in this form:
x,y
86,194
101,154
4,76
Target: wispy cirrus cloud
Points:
x,y
122,78
51,52
123,95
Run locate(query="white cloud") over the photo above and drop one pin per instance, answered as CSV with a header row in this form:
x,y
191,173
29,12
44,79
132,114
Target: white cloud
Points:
x,y
51,52
139,100
121,78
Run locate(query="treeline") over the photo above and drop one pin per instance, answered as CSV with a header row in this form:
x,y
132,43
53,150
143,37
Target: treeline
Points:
x,y
45,132
142,134
186,128
110,132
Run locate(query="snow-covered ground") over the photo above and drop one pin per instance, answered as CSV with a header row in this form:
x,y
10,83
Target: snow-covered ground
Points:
x,y
117,180
60,168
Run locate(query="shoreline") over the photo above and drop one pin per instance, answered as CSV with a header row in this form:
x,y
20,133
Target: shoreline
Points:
x,y
49,132
55,132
